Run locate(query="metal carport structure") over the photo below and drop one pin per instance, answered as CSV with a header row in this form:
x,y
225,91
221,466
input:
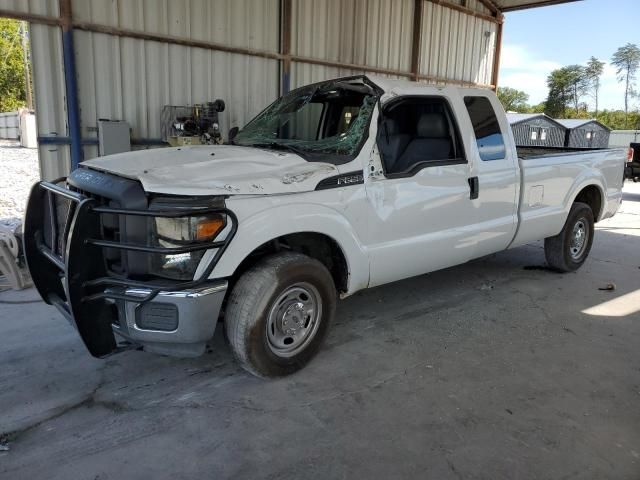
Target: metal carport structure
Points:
x,y
125,59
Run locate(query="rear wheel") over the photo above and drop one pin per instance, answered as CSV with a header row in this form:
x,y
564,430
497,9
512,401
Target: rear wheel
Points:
x,y
567,251
279,313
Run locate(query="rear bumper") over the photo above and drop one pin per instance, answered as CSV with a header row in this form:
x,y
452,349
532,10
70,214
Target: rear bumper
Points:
x,y
177,323
632,171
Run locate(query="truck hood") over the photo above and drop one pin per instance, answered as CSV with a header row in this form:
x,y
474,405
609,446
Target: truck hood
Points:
x,y
216,170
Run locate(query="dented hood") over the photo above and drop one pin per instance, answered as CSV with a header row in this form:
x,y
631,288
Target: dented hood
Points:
x,y
216,170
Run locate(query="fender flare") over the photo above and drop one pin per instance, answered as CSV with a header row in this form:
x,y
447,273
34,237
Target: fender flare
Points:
x,y
588,179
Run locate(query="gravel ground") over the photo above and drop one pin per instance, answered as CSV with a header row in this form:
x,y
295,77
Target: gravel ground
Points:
x,y
20,170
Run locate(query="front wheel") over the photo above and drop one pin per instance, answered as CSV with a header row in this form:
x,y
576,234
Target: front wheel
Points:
x,y
567,251
279,313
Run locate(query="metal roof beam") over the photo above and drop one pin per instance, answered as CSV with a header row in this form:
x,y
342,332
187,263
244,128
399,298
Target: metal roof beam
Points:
x,y
544,3
493,8
466,10
31,18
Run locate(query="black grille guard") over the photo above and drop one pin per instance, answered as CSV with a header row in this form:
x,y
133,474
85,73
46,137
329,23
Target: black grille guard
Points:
x,y
75,281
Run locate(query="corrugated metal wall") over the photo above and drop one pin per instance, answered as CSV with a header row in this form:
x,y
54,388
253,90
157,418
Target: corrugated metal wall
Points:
x,y
623,138
123,78
454,45
39,7
49,93
48,83
457,46
376,33
130,79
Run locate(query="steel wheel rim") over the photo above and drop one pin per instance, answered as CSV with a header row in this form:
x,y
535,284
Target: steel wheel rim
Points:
x,y
294,319
579,239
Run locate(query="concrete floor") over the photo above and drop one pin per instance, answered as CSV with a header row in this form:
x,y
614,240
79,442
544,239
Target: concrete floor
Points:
x,y
488,370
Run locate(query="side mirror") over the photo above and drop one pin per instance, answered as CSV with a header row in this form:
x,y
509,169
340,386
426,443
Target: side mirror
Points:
x,y
232,133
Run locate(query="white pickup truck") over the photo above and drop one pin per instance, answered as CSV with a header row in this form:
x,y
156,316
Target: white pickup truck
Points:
x,y
333,188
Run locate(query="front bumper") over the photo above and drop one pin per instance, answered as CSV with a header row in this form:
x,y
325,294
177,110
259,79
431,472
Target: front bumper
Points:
x,y
65,248
177,323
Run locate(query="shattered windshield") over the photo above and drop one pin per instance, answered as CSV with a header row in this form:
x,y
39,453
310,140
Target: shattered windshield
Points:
x,y
321,122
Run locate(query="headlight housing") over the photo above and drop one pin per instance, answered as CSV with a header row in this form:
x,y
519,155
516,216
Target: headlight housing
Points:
x,y
178,232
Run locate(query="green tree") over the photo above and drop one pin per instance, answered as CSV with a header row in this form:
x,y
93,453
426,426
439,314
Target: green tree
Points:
x,y
539,108
560,93
593,72
627,61
12,66
619,120
513,100
567,85
579,84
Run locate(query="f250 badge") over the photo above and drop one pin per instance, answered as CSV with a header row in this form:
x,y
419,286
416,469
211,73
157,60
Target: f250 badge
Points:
x,y
350,180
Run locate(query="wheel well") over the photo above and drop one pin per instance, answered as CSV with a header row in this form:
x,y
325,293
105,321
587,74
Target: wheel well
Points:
x,y
315,245
591,196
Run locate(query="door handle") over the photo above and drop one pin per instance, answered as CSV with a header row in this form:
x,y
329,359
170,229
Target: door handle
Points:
x,y
474,186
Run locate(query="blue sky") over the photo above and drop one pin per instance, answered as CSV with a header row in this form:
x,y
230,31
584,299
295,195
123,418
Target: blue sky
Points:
x,y
540,40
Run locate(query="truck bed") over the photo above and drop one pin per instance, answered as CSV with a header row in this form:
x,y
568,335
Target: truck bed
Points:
x,y
550,177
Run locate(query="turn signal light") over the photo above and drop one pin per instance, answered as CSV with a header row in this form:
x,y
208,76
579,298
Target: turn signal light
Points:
x,y
630,154
208,228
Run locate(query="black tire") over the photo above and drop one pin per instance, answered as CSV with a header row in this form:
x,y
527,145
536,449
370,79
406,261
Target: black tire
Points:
x,y
249,321
561,251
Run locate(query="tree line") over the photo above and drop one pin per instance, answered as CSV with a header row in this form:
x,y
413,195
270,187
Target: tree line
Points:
x,y
570,87
13,91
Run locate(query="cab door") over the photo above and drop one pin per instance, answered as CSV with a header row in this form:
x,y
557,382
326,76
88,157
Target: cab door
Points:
x,y
495,171
421,211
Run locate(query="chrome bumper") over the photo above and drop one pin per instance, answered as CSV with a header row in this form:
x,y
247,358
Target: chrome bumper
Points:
x,y
174,323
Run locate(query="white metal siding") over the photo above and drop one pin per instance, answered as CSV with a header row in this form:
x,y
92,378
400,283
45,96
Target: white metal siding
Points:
x,y
366,32
40,7
375,33
240,23
378,33
456,46
623,138
48,85
130,79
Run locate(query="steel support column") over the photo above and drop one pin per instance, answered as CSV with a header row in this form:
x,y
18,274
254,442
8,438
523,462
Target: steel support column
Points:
x,y
70,83
416,43
285,45
497,53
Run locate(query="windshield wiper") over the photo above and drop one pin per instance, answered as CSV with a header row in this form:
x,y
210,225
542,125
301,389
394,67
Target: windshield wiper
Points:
x,y
282,146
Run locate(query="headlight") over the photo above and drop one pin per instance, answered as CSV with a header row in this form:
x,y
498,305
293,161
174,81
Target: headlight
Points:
x,y
177,232
183,230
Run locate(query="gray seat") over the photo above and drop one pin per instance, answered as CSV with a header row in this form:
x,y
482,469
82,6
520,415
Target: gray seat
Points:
x,y
393,148
431,143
